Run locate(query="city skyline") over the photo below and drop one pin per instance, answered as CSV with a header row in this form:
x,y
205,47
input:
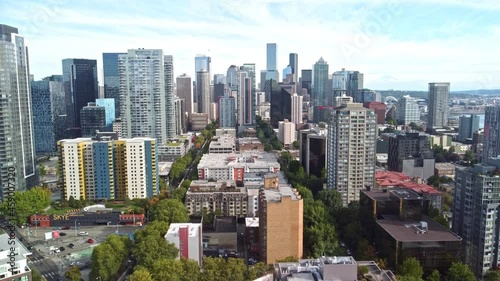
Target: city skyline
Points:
x,y
406,45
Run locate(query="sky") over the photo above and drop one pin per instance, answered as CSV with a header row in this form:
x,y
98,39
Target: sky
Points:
x,y
397,44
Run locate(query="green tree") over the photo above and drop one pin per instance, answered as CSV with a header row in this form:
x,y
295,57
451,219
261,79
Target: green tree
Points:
x,y
331,199
190,269
408,278
42,170
288,259
492,275
27,203
35,275
104,264
73,274
411,267
434,276
170,211
179,194
469,156
460,272
296,144
257,271
215,269
167,269
141,274
151,246
363,270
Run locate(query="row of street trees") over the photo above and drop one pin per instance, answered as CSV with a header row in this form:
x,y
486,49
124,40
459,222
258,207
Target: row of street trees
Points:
x,y
411,270
109,258
266,135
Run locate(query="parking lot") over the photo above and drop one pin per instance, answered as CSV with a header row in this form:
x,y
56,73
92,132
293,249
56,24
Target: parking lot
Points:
x,y
53,265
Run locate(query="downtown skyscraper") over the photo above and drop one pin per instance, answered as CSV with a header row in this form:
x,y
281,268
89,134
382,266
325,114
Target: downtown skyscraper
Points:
x,y
272,62
319,83
112,79
491,132
293,62
80,87
17,151
203,91
144,94
185,92
438,105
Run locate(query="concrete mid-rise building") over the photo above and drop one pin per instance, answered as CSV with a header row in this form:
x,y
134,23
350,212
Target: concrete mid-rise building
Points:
x,y
198,121
224,144
438,105
223,196
96,169
352,136
174,148
411,153
227,113
281,219
476,209
286,133
407,111
379,108
187,237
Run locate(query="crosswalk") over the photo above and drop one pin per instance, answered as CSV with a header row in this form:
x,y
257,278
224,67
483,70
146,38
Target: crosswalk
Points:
x,y
50,275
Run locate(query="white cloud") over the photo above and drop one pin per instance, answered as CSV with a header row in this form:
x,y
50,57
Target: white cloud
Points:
x,y
236,32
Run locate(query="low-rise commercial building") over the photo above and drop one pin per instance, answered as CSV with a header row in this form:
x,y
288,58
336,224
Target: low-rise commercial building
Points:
x,y
223,196
222,144
13,259
174,149
187,237
444,170
233,166
249,144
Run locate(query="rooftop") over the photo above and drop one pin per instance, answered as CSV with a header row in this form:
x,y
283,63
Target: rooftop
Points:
x,y
444,166
249,140
276,195
6,244
194,229
252,222
164,168
245,159
401,180
410,231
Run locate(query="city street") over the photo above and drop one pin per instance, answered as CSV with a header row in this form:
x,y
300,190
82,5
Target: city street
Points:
x,y
53,266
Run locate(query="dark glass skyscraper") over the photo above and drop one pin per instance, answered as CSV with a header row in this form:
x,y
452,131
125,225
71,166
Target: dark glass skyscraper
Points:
x,y
93,119
294,64
112,79
80,86
281,103
306,80
48,107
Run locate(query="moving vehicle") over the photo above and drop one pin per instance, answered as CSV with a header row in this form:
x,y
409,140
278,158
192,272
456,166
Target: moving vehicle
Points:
x,y
90,241
83,233
61,249
71,245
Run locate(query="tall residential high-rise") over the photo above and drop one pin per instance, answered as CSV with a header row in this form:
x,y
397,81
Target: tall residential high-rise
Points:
x,y
49,110
180,116
169,96
271,62
281,221
250,100
243,89
17,148
438,105
109,106
142,90
407,110
227,114
297,104
203,91
319,83
80,86
93,120
352,135
476,204
293,61
102,168
467,126
354,83
491,132
112,79
185,92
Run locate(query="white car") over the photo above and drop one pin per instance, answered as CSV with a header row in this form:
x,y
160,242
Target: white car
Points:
x,y
83,233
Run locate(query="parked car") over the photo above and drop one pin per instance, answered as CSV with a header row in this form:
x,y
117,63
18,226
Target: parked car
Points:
x,y
57,250
91,241
71,245
62,233
83,233
31,248
61,249
251,261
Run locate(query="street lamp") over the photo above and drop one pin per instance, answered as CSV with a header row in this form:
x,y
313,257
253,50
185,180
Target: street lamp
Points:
x,y
76,233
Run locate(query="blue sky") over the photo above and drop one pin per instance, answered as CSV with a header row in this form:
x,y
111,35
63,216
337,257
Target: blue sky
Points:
x,y
397,44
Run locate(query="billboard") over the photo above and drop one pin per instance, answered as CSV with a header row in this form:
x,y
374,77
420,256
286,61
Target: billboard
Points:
x,y
48,235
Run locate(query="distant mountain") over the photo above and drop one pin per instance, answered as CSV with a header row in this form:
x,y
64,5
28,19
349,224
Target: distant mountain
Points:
x,y
424,94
